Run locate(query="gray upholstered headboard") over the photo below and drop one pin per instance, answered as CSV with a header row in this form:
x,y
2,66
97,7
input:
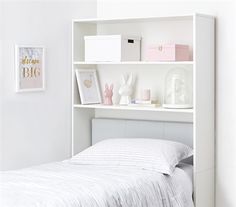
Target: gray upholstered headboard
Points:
x,y
118,128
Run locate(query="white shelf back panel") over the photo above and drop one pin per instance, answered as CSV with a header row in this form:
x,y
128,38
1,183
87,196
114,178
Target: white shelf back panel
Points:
x,y
153,32
79,31
146,77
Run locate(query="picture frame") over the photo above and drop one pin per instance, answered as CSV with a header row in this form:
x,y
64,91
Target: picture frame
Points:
x,y
29,68
88,86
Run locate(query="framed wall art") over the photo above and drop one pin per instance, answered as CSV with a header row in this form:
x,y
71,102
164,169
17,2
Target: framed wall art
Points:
x,y
88,86
29,67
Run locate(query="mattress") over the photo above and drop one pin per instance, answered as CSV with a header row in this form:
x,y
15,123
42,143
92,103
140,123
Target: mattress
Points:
x,y
64,184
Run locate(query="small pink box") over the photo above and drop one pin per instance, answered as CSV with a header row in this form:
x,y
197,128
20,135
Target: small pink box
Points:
x,y
168,52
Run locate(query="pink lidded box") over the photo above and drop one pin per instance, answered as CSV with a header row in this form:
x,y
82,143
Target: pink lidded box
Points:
x,y
168,52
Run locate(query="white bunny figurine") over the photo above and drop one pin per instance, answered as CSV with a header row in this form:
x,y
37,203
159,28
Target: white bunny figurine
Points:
x,y
126,89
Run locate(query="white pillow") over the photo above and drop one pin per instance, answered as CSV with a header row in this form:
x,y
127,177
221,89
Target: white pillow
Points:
x,y
150,154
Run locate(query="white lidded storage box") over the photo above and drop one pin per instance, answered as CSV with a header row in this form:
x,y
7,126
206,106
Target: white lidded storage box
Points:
x,y
112,48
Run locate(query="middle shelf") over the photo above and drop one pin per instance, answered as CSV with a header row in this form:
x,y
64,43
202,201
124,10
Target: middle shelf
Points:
x,y
132,108
135,63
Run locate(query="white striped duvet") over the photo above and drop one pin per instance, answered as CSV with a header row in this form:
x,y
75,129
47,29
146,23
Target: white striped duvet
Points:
x,y
65,184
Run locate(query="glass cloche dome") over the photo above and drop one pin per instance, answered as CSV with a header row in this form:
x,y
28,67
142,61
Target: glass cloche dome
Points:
x,y
178,89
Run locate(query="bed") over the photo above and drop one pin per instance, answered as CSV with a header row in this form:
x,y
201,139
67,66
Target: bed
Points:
x,y
77,184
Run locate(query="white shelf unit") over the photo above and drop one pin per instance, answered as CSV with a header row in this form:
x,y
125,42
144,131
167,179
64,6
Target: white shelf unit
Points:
x,y
195,30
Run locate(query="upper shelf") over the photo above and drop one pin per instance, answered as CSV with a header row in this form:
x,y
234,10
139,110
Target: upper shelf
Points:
x,y
134,63
141,19
134,19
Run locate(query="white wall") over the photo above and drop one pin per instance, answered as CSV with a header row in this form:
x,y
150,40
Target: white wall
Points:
x,y
1,85
37,126
225,75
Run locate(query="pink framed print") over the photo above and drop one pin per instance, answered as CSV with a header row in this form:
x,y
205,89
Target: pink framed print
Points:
x,y
88,86
29,67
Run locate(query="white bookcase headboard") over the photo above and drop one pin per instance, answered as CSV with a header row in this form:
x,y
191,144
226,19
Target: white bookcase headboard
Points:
x,y
197,31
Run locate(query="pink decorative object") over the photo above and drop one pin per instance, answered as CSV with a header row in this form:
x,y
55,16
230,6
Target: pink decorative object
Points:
x,y
146,94
108,93
168,52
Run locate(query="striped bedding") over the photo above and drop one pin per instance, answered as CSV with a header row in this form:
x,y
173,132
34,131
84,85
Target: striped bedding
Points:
x,y
65,184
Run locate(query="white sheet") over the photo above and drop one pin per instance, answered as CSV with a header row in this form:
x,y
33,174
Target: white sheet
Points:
x,y
64,184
